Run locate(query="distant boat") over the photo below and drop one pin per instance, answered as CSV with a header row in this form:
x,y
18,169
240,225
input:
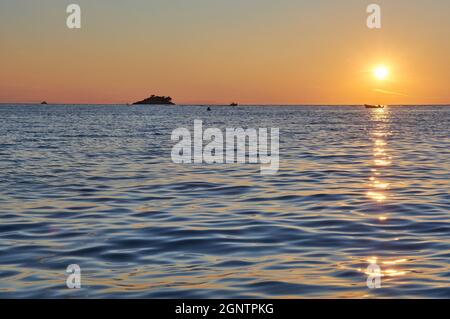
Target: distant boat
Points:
x,y
208,109
369,106
44,103
234,104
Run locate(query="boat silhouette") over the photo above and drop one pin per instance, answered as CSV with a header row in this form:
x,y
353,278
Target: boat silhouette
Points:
x,y
369,106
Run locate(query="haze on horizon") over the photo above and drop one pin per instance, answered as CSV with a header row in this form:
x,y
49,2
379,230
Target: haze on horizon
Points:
x,y
213,51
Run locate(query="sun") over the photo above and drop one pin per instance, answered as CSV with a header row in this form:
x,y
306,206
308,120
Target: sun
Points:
x,y
381,72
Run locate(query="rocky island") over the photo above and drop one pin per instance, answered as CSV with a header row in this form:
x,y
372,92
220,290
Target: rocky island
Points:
x,y
153,99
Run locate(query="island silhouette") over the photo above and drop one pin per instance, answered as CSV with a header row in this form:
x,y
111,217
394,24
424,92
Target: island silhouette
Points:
x,y
154,99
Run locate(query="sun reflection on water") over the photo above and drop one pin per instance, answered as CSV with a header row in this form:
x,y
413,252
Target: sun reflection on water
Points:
x,y
378,188
381,158
388,267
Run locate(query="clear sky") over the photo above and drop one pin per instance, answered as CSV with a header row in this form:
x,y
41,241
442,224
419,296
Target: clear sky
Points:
x,y
219,51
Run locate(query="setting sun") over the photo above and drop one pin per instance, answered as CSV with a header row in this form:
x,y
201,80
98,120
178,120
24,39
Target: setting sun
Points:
x,y
381,72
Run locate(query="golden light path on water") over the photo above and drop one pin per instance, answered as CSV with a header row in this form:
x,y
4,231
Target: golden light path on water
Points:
x,y
379,189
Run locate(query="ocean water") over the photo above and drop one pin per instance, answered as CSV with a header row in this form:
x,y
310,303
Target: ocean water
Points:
x,y
95,186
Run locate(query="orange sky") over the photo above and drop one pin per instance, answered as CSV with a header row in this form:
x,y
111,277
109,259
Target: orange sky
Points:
x,y
211,51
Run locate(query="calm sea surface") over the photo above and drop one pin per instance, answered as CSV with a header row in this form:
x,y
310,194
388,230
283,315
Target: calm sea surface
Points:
x,y
95,186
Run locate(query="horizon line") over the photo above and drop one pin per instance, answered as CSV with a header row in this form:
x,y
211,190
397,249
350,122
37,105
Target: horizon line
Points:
x,y
221,104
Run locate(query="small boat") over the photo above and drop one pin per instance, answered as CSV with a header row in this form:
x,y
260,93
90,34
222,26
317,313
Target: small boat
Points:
x,y
208,109
44,103
234,104
369,106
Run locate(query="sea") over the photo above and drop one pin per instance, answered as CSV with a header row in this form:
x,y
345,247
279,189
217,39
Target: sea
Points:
x,y
361,197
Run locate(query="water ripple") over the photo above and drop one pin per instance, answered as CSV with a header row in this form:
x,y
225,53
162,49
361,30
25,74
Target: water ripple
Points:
x,y
105,195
